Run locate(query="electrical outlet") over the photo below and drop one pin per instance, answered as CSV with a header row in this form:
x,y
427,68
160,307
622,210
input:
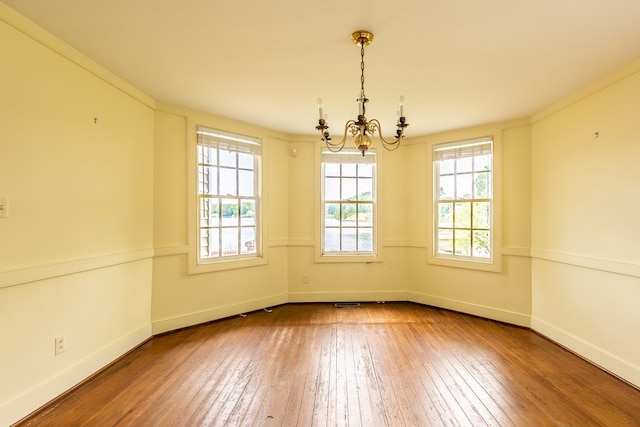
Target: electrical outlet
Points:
x,y
4,207
305,278
59,345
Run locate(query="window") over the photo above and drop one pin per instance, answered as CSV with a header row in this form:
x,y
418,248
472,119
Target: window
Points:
x,y
348,203
463,200
228,196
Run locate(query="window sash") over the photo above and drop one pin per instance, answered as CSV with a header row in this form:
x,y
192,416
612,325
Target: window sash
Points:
x,y
454,226
350,236
234,236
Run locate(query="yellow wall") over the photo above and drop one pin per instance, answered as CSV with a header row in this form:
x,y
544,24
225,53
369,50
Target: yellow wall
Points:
x,y
585,229
75,251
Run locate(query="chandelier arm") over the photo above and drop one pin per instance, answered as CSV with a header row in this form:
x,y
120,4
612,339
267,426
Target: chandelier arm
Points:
x,y
388,145
337,146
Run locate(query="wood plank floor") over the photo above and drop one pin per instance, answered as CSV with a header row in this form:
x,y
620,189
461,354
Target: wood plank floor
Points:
x,y
394,364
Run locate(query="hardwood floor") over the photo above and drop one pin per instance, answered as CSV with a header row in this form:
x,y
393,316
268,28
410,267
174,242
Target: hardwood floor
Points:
x,y
391,364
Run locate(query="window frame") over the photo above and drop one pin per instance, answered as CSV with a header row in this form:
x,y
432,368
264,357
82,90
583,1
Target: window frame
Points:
x,y
196,263
467,261
323,255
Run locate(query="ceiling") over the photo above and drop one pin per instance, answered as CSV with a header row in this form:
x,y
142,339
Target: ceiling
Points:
x,y
458,63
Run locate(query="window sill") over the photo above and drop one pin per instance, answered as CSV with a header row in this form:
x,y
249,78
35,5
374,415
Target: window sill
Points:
x,y
195,268
493,266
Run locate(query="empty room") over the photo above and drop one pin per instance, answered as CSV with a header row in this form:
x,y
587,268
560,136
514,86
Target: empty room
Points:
x,y
294,213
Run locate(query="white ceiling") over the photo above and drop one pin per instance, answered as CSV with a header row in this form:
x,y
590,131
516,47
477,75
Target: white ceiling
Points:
x,y
458,63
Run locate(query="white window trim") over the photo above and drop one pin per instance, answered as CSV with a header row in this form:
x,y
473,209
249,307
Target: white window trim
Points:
x,y
495,264
193,264
319,257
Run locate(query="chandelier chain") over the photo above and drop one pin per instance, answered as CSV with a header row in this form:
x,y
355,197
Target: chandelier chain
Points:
x,y
362,97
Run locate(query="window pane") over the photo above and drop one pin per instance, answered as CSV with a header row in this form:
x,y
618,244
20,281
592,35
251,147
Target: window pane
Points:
x,y
464,164
445,214
445,241
348,189
365,189
349,169
482,163
228,183
349,239
228,158
248,213
481,214
348,214
365,239
209,212
365,170
230,241
230,213
462,215
447,188
246,183
208,180
464,185
209,242
481,244
332,169
245,161
447,166
365,215
462,242
331,214
332,189
248,238
482,185
331,239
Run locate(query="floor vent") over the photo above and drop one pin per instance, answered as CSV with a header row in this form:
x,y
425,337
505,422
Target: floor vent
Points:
x,y
346,304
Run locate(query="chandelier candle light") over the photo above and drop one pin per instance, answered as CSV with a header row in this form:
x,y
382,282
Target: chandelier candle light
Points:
x,y
362,129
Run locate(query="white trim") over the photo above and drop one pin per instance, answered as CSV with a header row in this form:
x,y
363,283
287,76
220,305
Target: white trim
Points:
x,y
184,320
511,317
588,351
599,264
24,404
48,271
363,296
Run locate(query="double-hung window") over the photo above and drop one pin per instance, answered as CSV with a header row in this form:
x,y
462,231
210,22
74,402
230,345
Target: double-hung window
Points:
x,y
463,200
228,196
348,203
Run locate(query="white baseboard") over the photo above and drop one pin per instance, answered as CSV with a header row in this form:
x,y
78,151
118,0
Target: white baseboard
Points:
x,y
588,351
506,316
346,296
190,319
25,404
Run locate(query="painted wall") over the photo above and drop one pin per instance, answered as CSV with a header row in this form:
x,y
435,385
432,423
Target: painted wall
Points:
x,y
180,297
586,205
75,251
504,294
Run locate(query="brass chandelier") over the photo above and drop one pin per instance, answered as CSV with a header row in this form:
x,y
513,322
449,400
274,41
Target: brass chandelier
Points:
x,y
362,129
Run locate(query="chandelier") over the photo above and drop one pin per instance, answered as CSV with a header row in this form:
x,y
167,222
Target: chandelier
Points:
x,y
362,129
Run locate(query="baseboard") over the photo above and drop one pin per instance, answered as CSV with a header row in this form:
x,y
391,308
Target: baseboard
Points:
x,y
589,352
506,316
346,296
190,319
32,400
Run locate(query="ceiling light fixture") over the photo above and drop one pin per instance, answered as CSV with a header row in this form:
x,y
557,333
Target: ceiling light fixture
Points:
x,y
362,129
